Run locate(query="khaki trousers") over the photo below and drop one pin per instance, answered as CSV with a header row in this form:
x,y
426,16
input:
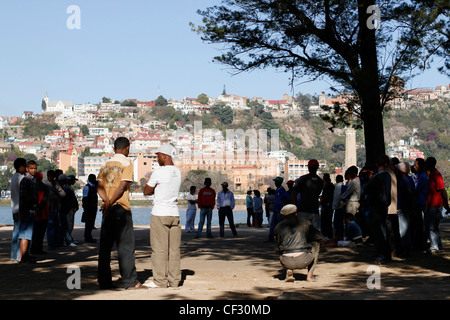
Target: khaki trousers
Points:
x,y
165,240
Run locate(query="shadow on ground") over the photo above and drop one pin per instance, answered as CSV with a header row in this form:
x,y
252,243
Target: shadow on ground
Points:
x,y
419,277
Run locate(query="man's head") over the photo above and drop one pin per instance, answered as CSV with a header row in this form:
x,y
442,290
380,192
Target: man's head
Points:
x,y
122,146
51,175
289,209
383,161
192,189
32,167
20,164
430,163
290,184
352,172
393,163
92,178
208,182
326,179
225,186
71,179
62,179
313,165
165,154
403,168
58,172
39,176
278,181
339,178
419,165
257,193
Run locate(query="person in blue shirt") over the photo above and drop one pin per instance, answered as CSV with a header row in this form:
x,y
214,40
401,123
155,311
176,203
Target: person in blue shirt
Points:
x,y
250,212
282,198
225,205
405,205
420,196
258,208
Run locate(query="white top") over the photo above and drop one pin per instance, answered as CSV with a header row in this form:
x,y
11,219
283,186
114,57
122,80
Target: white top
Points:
x,y
225,199
192,197
167,180
15,191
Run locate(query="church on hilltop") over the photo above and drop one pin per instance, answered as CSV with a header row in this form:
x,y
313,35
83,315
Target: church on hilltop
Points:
x,y
56,106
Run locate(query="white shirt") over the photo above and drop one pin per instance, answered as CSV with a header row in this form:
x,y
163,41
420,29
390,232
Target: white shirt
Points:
x,y
192,197
225,199
167,180
15,191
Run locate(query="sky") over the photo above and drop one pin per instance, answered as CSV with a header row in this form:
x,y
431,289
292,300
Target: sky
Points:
x,y
136,49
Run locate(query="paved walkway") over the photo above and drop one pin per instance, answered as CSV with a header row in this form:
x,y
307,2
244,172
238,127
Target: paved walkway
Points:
x,y
229,269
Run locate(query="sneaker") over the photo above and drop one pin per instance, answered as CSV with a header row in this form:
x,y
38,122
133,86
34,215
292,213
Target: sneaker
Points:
x,y
289,276
150,284
72,244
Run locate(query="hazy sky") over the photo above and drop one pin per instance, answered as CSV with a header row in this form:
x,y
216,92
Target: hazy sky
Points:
x,y
124,49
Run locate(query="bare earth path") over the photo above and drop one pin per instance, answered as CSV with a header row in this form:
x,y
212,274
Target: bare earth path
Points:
x,y
244,268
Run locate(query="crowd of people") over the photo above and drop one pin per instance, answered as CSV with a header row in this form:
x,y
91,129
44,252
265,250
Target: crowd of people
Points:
x,y
395,206
46,208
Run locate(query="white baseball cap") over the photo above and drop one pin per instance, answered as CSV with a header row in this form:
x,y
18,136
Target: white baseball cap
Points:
x,y
165,149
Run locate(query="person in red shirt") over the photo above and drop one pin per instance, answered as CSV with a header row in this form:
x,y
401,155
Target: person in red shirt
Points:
x,y
206,201
41,218
437,198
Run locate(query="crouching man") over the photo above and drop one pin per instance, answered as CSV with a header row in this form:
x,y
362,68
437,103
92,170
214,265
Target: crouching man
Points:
x,y
298,243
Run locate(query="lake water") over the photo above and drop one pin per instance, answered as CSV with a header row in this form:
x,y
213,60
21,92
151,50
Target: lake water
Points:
x,y
141,217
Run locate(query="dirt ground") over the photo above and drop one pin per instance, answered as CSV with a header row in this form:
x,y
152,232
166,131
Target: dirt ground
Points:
x,y
243,268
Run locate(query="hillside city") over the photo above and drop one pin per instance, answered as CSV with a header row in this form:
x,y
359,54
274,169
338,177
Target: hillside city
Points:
x,y
78,138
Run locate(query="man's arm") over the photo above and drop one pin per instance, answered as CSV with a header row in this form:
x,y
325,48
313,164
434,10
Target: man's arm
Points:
x,y
123,186
232,201
445,197
149,191
219,200
102,193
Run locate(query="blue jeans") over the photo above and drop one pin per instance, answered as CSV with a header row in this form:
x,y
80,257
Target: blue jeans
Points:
x,y
205,212
66,234
15,243
53,229
433,216
276,218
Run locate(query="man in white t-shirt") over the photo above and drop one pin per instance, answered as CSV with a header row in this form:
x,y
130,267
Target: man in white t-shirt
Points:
x,y
165,229
191,209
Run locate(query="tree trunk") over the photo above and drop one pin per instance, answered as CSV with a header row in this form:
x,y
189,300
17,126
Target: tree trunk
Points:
x,y
369,88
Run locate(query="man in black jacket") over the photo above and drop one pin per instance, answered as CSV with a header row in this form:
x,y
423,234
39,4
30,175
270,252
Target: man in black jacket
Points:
x,y
90,206
298,243
379,191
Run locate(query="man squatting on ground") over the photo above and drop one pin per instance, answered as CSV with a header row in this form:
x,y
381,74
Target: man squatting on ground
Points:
x,y
298,243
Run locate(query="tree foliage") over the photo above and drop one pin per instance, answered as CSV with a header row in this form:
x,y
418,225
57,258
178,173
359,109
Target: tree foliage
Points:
x,y
202,98
161,101
223,113
336,40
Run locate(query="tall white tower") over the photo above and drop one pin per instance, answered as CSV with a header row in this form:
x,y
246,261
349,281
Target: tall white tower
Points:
x,y
46,98
350,148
